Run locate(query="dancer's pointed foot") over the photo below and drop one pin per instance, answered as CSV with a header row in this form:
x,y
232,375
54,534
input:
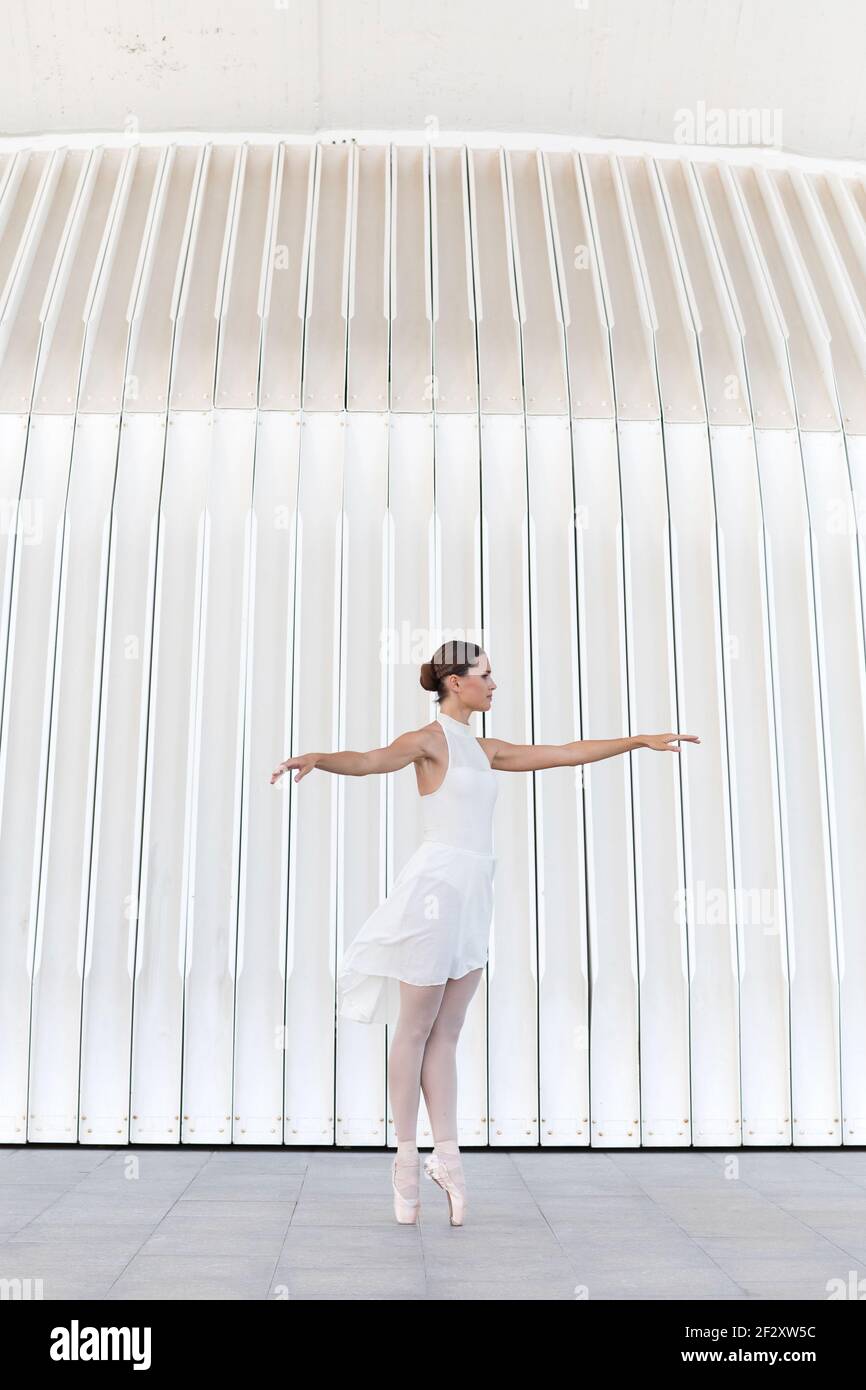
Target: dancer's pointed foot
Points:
x,y
405,1181
446,1169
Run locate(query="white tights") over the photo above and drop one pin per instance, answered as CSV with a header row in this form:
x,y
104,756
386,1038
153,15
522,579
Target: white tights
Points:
x,y
423,1056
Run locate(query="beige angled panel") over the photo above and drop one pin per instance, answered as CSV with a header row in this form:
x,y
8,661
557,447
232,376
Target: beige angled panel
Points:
x,y
369,280
582,308
154,313
496,308
455,369
718,334
805,328
108,332
241,317
627,310
286,281
411,282
33,275
538,301
767,385
62,348
802,199
200,305
327,290
682,398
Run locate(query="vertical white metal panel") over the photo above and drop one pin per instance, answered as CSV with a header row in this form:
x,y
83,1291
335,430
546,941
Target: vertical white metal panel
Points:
x,y
402,562
311,965
37,606
839,630
850,936
61,918
125,664
759,896
27,546
563,981
363,724
260,981
35,603
157,1033
456,610
613,1036
663,977
513,965
708,903
815,1080
215,801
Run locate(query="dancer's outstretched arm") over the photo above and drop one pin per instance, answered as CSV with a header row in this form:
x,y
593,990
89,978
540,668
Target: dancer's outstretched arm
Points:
x,y
532,757
407,748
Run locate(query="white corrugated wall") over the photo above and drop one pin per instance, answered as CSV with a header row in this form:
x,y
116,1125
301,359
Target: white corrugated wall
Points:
x,y
276,419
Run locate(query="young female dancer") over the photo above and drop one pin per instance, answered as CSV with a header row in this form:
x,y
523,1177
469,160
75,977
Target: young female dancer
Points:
x,y
418,958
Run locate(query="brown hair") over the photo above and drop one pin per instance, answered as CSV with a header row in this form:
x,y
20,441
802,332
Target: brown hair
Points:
x,y
452,659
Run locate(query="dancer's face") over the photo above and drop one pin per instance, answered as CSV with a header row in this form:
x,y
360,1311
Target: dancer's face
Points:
x,y
478,685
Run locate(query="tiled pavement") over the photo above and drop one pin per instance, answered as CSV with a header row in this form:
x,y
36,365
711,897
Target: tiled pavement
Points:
x,y
307,1224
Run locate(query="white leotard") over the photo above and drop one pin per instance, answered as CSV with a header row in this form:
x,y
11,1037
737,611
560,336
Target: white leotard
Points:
x,y
435,923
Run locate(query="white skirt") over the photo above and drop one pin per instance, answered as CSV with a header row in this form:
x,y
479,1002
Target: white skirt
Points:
x,y
433,926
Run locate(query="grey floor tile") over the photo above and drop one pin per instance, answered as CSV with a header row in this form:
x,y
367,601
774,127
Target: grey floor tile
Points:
x,y
224,1276
367,1282
319,1225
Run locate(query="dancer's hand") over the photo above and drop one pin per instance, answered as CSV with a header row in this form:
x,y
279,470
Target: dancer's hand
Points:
x,y
305,762
661,742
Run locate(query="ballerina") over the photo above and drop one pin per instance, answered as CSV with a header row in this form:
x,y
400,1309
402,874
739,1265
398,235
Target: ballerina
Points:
x,y
416,961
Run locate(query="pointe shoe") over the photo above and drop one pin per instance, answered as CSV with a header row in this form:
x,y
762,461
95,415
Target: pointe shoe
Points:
x,y
405,1208
436,1168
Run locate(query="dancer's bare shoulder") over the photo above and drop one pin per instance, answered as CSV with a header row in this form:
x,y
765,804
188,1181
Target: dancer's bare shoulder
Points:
x,y
432,761
419,746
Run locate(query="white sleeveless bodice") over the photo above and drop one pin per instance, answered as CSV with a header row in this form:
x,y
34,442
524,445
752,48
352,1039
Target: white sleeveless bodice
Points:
x,y
460,812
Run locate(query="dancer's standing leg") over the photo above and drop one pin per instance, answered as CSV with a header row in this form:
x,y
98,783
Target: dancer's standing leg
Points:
x,y
439,1072
419,1006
